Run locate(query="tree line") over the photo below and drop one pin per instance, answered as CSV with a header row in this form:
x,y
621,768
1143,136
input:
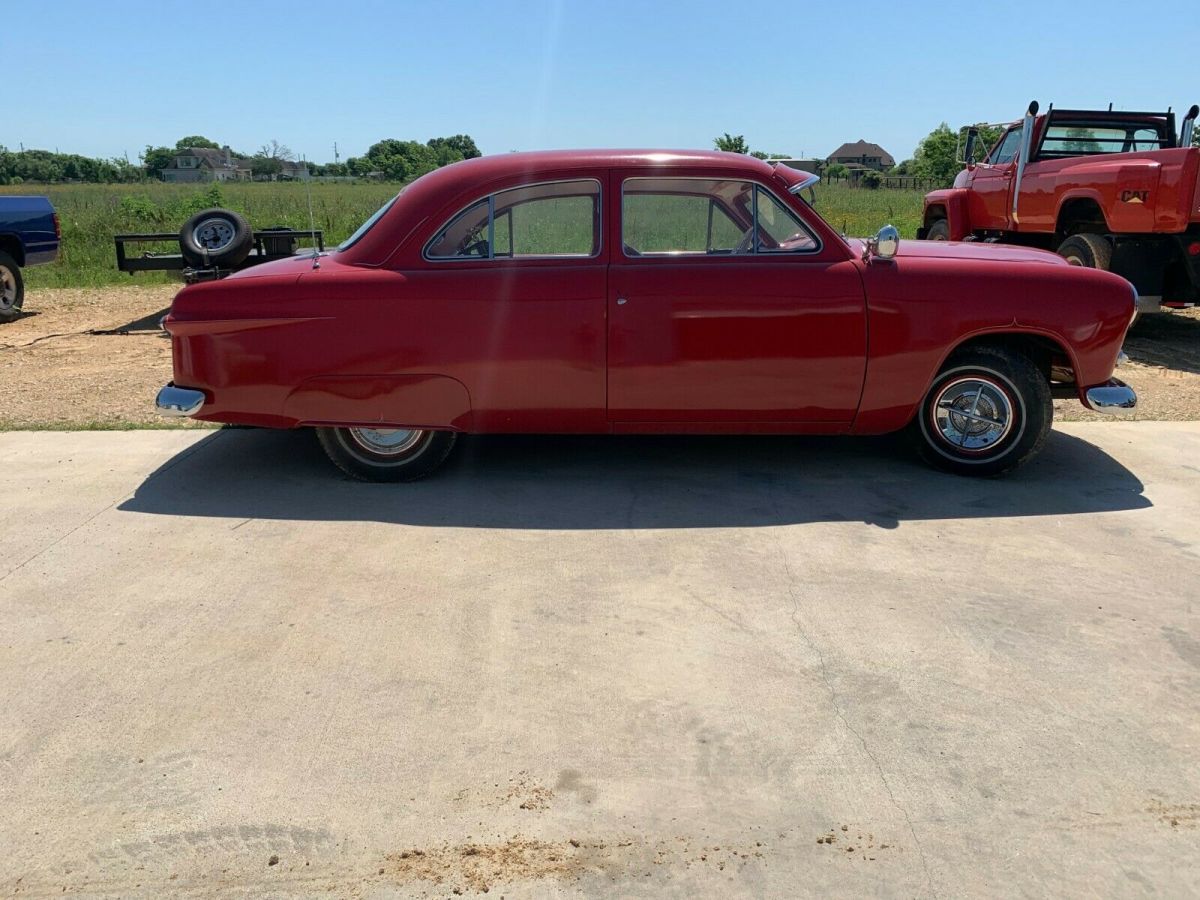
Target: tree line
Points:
x,y
389,159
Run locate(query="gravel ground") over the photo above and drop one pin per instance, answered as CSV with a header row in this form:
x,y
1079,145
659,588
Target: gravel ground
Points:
x,y
95,357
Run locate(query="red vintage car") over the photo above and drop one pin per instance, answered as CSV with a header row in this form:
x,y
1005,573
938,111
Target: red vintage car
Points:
x,y
634,292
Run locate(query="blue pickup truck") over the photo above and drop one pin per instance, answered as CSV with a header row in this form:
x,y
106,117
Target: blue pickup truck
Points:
x,y
29,236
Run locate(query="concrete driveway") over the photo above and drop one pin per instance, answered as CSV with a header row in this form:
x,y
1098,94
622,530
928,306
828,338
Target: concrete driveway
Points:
x,y
635,667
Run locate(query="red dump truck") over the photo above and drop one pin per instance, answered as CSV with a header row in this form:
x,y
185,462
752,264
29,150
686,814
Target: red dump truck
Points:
x,y
1106,189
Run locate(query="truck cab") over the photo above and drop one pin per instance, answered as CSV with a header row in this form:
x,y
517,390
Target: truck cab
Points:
x,y
1106,189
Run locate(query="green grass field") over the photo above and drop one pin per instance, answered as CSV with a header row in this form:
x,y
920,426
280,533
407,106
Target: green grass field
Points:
x,y
92,213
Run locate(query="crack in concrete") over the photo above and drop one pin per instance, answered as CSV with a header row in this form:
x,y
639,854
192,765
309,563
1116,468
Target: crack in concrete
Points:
x,y
841,714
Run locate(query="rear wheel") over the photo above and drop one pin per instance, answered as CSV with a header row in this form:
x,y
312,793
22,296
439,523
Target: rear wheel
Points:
x,y
988,411
1092,251
12,288
938,231
386,454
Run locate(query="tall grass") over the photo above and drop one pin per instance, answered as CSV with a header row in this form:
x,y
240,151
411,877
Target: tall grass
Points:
x,y
92,213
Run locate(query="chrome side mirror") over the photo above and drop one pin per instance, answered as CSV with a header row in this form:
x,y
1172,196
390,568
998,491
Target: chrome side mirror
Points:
x,y
885,244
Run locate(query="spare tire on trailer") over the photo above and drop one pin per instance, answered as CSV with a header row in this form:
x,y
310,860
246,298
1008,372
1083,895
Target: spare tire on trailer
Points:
x,y
215,237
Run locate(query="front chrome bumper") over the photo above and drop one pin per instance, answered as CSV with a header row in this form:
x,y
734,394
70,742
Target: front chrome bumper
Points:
x,y
1115,398
177,401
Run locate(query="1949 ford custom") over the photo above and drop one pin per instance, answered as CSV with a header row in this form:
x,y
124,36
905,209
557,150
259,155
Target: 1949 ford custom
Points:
x,y
622,292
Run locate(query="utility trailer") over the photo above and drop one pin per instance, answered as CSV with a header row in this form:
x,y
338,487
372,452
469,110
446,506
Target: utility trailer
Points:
x,y
212,244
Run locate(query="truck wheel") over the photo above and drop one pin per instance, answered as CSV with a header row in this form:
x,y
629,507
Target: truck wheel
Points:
x,y
938,231
1092,251
386,454
988,411
215,237
12,288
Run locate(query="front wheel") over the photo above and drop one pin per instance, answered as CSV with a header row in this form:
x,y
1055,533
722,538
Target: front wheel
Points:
x,y
939,230
988,411
386,454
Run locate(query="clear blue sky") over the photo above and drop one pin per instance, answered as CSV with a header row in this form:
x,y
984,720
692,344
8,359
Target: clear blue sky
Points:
x,y
794,78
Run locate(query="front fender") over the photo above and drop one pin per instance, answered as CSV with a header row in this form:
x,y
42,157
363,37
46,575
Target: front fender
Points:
x,y
949,204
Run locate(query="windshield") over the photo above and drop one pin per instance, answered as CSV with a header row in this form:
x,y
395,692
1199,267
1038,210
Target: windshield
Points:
x,y
369,224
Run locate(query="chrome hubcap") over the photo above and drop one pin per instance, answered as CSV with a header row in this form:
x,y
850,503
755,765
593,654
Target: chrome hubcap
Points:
x,y
213,234
8,287
386,441
972,414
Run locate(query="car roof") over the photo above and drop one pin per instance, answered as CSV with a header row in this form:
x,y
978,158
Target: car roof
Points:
x,y
430,193
501,164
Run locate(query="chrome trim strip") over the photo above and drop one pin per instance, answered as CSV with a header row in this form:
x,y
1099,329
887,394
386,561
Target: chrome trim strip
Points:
x,y
810,180
178,402
1115,398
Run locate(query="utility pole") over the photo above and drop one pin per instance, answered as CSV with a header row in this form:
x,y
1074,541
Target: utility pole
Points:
x,y
335,152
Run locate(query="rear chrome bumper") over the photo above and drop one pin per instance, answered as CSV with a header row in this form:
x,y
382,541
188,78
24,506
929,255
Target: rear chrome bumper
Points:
x,y
177,401
1115,398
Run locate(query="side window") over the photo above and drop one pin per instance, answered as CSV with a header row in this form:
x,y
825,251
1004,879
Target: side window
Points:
x,y
554,219
701,216
686,216
465,236
1007,149
779,231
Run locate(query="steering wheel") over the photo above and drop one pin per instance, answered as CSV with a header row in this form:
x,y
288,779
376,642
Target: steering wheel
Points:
x,y
475,248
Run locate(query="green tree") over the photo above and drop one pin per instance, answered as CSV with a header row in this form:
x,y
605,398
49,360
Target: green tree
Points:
x,y
265,166
871,179
196,140
837,170
401,160
155,159
935,156
731,143
446,147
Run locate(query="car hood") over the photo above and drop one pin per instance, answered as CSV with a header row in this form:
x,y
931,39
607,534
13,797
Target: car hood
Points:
x,y
973,250
292,265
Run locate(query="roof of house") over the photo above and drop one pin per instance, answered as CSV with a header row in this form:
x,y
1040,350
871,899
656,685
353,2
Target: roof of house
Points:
x,y
214,159
862,148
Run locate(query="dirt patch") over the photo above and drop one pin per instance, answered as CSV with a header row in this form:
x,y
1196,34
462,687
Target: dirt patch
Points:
x,y
86,358
1163,367
95,358
478,867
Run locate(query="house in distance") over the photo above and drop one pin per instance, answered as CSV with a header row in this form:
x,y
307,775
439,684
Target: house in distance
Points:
x,y
862,155
193,164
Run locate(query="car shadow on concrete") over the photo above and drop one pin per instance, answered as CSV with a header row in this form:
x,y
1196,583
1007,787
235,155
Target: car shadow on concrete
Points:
x,y
556,482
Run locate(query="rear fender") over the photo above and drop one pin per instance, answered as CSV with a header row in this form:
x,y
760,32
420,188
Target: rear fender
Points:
x,y
413,401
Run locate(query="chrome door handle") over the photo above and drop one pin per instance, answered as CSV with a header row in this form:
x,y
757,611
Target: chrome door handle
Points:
x,y
621,301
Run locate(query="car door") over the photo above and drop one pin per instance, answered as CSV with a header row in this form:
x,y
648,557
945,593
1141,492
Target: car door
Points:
x,y
514,289
990,197
726,312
